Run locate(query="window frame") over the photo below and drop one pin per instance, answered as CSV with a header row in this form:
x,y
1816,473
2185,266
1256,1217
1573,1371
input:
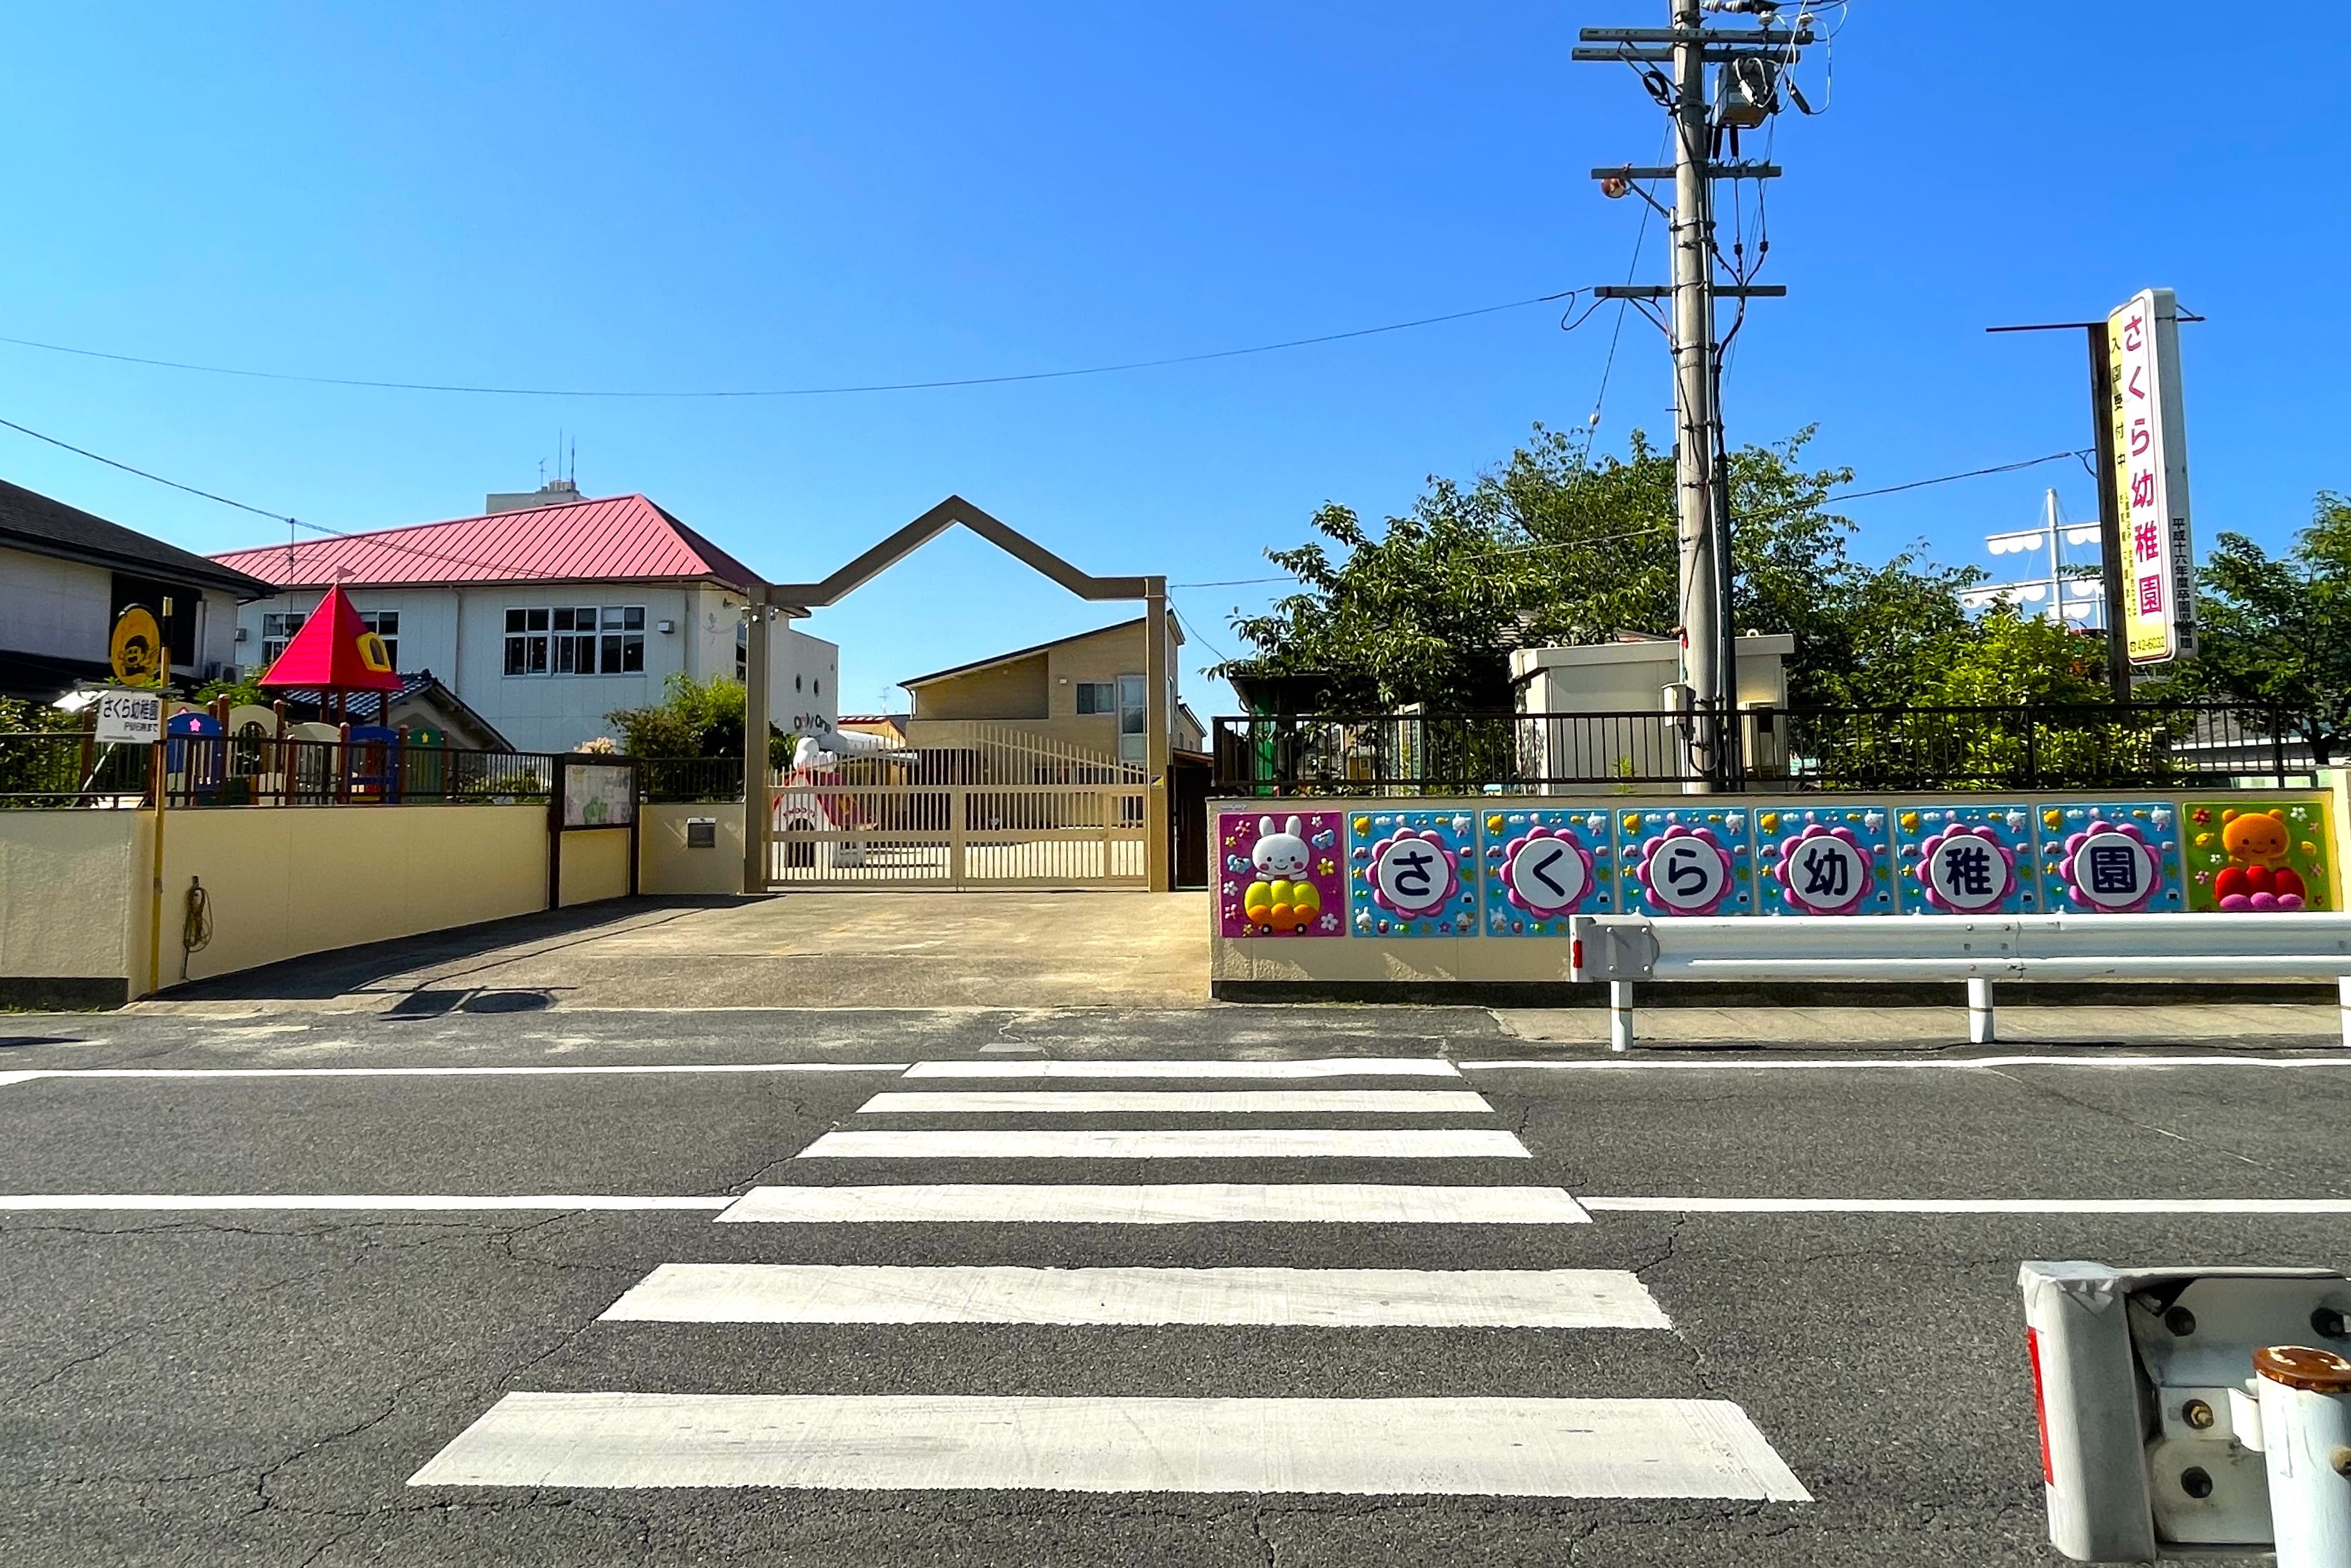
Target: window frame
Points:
x,y
550,640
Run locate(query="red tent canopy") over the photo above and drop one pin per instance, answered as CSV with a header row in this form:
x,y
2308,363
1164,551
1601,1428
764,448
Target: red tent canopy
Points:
x,y
334,652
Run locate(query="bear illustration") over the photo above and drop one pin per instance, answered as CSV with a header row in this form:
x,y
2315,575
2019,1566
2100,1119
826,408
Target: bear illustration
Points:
x,y
2257,876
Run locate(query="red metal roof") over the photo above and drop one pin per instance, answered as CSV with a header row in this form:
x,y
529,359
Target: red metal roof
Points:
x,y
620,538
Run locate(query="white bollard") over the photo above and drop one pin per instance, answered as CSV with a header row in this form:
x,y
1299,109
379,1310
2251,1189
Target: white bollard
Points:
x,y
2343,999
1980,1019
2305,1398
1620,1015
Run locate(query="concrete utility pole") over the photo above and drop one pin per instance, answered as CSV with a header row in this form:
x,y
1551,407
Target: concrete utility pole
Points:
x,y
1709,665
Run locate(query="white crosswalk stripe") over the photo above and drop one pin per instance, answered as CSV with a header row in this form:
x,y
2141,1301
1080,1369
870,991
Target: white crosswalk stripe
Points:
x,y
1198,1203
1468,1445
1177,1101
1358,1298
1147,1144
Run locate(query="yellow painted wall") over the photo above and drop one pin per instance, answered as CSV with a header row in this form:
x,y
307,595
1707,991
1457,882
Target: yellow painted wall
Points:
x,y
595,865
72,893
665,865
286,881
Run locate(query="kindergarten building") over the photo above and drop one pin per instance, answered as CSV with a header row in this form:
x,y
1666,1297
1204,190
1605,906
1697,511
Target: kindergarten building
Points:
x,y
542,614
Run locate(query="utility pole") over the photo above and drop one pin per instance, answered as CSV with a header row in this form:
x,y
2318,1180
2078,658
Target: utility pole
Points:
x,y
1753,59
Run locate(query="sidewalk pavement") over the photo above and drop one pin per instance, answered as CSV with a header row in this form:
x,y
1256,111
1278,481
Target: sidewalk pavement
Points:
x,y
794,950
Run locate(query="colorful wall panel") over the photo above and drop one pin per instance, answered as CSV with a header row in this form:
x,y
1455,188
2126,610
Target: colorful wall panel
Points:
x,y
1684,859
2246,857
2117,858
1283,874
1413,873
1824,860
1968,860
1542,864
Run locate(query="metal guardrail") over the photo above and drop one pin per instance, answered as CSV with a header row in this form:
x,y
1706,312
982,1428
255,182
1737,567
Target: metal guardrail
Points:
x,y
2101,746
68,770
1624,948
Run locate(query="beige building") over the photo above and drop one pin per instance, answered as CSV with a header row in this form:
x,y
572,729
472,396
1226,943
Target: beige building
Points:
x,y
1085,691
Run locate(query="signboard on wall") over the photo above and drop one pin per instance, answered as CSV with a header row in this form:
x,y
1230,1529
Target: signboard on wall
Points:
x,y
2150,478
598,796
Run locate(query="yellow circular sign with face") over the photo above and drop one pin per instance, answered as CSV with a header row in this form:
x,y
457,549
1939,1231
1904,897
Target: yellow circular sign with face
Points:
x,y
137,648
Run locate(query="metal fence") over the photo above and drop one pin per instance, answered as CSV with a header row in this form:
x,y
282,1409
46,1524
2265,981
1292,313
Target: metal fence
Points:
x,y
2107,746
68,770
829,834
691,779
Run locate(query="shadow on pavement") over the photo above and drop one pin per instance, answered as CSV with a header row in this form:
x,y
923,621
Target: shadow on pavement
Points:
x,y
429,960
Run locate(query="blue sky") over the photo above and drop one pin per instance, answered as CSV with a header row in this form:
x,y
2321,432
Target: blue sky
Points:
x,y
764,195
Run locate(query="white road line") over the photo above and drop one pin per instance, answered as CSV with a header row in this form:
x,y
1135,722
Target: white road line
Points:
x,y
1312,1067
1707,1204
1483,1447
8,1078
193,1202
1260,1297
1220,1143
462,1072
1746,1063
1344,1203
1183,1101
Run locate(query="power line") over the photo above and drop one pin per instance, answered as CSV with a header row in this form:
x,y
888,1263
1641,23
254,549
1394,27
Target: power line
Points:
x,y
792,392
494,568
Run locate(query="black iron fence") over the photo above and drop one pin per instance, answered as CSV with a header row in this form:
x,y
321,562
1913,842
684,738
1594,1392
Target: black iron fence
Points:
x,y
689,779
69,770
2106,746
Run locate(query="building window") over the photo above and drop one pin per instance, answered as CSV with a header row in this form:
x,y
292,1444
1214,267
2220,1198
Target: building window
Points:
x,y
1130,718
576,640
385,624
1097,696
277,631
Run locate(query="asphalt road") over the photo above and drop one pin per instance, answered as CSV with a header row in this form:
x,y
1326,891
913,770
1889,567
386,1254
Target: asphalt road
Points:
x,y
259,1385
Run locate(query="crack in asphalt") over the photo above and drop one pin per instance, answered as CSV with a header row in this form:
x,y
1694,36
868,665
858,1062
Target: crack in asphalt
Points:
x,y
2053,1092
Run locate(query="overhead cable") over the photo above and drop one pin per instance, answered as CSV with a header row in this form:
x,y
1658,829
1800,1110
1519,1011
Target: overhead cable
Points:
x,y
791,392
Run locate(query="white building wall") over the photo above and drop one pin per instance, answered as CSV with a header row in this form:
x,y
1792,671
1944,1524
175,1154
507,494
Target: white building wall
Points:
x,y
459,634
65,609
55,607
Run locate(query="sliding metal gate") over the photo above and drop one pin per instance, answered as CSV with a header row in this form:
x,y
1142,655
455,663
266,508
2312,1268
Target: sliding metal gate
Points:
x,y
957,835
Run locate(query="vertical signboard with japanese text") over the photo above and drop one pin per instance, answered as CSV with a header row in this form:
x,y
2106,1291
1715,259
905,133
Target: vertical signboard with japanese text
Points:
x,y
2150,478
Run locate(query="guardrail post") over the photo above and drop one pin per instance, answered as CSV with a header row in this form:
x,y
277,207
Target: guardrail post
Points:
x,y
2306,1399
1620,1015
1980,1022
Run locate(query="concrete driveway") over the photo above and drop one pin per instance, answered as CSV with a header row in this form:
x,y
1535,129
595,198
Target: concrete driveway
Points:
x,y
1022,950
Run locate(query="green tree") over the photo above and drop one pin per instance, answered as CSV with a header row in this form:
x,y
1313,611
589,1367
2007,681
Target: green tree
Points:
x,y
1554,546
2278,631
693,718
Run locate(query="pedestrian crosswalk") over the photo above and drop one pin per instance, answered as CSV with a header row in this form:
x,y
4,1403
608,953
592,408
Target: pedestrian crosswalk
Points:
x,y
1346,1115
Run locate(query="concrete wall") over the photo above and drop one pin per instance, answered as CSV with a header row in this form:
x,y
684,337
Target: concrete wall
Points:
x,y
73,888
459,634
285,880
665,863
595,865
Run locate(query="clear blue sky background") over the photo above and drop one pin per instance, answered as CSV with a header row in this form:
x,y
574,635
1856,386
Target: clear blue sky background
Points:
x,y
749,196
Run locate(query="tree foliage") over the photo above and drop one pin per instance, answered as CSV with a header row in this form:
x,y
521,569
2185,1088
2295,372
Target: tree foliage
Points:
x,y
1556,547
693,718
2278,630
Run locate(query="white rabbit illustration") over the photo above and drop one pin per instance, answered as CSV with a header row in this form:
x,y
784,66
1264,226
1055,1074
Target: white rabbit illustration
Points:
x,y
1281,854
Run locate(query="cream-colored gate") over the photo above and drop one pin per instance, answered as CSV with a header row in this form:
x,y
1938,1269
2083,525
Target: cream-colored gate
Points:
x,y
1073,819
